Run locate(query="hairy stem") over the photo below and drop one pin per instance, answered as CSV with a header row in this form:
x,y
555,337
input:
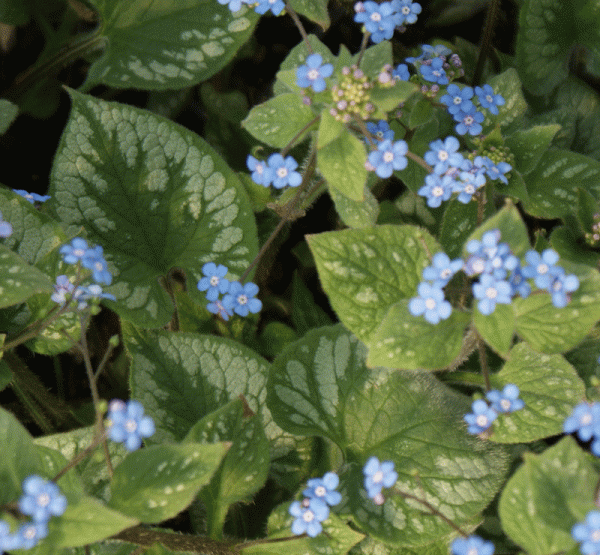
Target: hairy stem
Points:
x,y
287,147
486,39
291,12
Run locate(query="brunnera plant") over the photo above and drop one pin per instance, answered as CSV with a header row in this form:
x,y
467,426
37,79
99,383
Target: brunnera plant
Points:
x,y
424,409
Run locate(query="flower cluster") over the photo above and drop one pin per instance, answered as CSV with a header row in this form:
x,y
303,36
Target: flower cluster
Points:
x,y
41,501
377,476
472,545
435,66
592,238
237,298
588,533
382,19
453,173
483,414
126,423
319,495
78,252
260,6
462,109
585,422
351,96
277,171
501,278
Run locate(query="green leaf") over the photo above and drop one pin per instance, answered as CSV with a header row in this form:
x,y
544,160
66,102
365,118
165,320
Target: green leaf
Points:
x,y
550,388
544,41
508,85
405,341
388,98
321,386
166,45
315,10
375,58
158,482
459,221
497,329
329,129
356,213
528,145
244,468
365,271
19,280
306,313
552,185
556,330
278,120
342,164
6,375
567,240
421,113
547,495
182,377
414,174
8,110
126,176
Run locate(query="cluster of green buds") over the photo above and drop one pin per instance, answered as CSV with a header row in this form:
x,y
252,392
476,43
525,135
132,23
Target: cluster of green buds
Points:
x,y
593,238
495,152
351,97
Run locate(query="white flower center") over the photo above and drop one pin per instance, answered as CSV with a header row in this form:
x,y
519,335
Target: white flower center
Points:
x,y
30,532
242,299
99,266
214,281
259,169
595,536
282,172
43,499
489,98
308,516
320,491
443,155
542,269
478,266
405,10
473,551
505,404
430,304
388,156
557,285
313,74
437,191
445,273
378,476
469,120
375,16
491,292
131,425
457,100
78,252
481,420
469,189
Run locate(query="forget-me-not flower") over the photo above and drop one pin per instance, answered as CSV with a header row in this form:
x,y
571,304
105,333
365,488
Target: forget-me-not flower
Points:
x,y
430,303
313,73
378,475
506,400
213,282
481,418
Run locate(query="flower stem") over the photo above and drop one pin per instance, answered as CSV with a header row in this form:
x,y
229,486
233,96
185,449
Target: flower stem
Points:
x,y
291,12
484,363
416,158
363,47
287,147
486,39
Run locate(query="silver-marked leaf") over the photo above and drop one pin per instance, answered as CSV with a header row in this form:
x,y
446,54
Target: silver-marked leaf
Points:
x,y
546,496
410,342
550,388
155,196
553,184
315,10
18,280
321,386
555,330
166,44
544,41
182,377
278,120
158,482
496,329
528,145
508,85
365,271
356,213
458,222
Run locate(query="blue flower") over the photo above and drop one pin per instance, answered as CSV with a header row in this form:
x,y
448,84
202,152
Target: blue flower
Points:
x,y
389,157
74,252
542,268
324,489
214,282
490,292
428,52
126,423
518,283
276,6
8,541
309,514
5,228
313,73
31,197
588,533
401,72
458,99
469,122
93,291
431,303
434,71
407,9
488,99
495,171
481,418
378,476
467,183
261,173
240,298
379,19
93,259
472,545
381,130
444,154
217,307
28,535
507,400
489,256
584,420
234,5
561,286
442,269
42,499
283,171
436,189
